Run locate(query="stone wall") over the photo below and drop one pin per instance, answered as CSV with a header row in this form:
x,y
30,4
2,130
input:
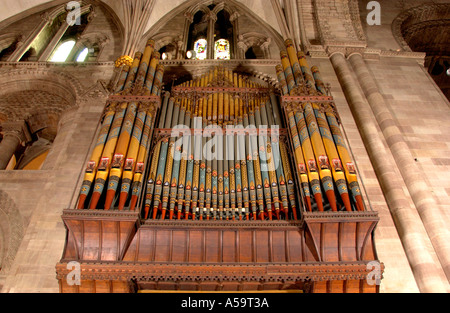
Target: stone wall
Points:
x,y
398,276
41,196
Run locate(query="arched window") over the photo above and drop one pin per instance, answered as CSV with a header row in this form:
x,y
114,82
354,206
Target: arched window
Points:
x,y
62,52
223,35
211,34
83,55
198,32
222,50
168,52
200,49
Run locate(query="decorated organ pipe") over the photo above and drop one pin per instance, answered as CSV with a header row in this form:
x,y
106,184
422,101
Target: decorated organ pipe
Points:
x,y
93,163
232,166
330,147
345,162
319,148
118,159
225,147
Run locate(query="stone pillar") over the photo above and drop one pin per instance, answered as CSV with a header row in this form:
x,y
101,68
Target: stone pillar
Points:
x,y
189,19
45,55
76,49
212,21
14,134
412,175
242,48
281,19
265,46
292,21
415,241
180,51
24,46
234,51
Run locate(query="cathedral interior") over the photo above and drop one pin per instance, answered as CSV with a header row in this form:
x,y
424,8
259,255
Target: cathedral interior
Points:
x,y
297,146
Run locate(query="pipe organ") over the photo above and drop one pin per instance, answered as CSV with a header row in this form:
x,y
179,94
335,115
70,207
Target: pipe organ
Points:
x,y
223,174
227,162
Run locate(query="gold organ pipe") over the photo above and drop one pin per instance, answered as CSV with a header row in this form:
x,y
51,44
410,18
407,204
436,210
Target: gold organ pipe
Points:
x,y
108,151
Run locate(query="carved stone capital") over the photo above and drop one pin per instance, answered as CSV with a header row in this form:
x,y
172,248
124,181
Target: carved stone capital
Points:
x,y
242,45
266,44
189,16
354,50
17,129
336,49
46,17
234,16
211,16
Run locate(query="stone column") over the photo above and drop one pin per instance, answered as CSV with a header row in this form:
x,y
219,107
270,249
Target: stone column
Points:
x,y
412,233
281,19
189,19
242,48
61,144
76,49
292,21
212,21
412,175
265,46
14,134
180,51
45,55
234,51
24,46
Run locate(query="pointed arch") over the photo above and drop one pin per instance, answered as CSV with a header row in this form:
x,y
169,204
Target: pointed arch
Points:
x,y
190,7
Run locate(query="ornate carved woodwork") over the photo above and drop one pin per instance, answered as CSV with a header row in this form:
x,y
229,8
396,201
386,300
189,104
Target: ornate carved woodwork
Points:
x,y
119,252
162,242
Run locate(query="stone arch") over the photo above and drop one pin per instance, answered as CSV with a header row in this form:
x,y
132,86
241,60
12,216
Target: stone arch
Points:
x,y
167,39
94,41
40,98
418,18
50,80
38,15
203,7
11,231
426,28
234,8
227,6
254,39
9,41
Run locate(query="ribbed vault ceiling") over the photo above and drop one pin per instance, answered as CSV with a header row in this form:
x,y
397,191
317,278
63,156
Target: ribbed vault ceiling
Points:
x,y
9,9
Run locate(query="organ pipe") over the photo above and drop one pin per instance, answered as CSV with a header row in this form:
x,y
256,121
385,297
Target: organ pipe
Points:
x,y
320,150
120,154
222,147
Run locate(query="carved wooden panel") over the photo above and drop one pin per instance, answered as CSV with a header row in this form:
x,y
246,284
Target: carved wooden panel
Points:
x,y
118,252
221,242
98,235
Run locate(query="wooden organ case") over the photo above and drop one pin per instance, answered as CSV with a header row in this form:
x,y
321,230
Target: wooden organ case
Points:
x,y
220,184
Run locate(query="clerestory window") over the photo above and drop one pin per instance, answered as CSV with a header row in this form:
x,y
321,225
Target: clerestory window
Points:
x,y
211,35
63,51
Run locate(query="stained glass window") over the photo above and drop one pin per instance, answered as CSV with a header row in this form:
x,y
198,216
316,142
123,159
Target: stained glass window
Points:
x,y
222,49
200,47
